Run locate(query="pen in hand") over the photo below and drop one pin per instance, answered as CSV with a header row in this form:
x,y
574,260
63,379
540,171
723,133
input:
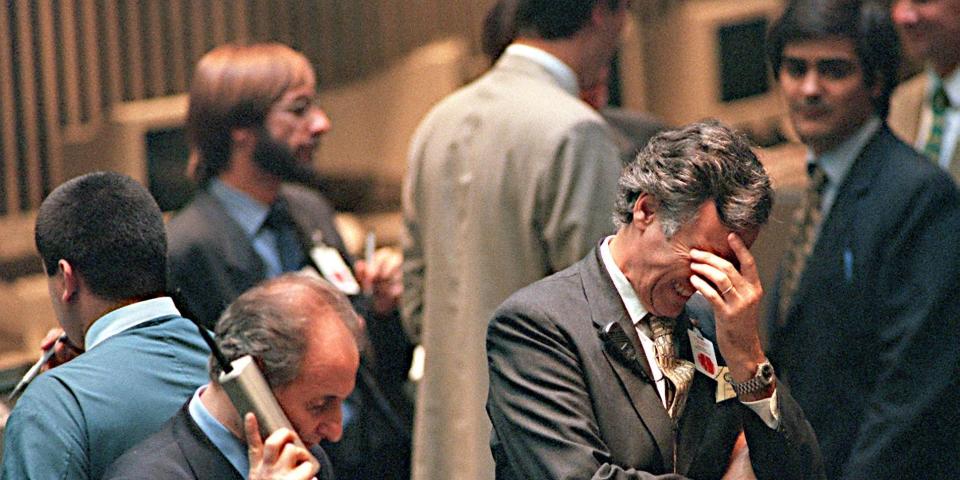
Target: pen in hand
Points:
x,y
369,246
35,369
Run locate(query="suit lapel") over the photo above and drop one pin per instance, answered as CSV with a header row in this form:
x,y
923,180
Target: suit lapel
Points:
x,y
605,307
204,458
233,244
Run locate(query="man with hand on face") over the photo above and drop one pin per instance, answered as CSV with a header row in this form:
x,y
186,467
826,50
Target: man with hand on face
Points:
x,y
253,125
592,371
864,319
925,110
103,246
302,333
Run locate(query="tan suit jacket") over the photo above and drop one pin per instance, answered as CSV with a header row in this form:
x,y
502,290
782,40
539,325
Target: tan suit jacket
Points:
x,y
906,110
510,179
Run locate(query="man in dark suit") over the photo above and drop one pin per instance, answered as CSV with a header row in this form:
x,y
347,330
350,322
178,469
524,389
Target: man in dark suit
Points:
x,y
598,372
302,333
864,320
253,125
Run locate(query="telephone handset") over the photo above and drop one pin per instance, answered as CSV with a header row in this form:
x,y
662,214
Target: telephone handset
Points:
x,y
249,392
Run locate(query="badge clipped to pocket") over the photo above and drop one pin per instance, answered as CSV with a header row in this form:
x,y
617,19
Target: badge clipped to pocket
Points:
x,y
705,360
334,269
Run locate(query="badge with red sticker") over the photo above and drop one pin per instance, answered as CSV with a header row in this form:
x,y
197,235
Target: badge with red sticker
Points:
x,y
705,358
334,269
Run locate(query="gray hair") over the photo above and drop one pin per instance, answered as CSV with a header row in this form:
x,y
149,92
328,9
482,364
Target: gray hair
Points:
x,y
683,168
269,322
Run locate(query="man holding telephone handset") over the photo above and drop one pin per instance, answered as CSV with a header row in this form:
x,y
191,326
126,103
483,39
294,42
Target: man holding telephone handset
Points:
x,y
301,333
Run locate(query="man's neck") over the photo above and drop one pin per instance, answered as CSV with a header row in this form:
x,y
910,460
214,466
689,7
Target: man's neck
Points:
x,y
216,401
246,177
570,51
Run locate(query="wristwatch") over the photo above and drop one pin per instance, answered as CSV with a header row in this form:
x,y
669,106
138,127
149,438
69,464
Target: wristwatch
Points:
x,y
760,381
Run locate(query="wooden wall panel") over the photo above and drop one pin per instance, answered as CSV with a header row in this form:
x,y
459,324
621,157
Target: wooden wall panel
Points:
x,y
64,63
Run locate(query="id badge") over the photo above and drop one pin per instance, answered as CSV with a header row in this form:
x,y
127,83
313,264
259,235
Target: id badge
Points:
x,y
705,361
334,269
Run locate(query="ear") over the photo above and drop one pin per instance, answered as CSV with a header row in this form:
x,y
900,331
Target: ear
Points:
x,y
644,210
69,281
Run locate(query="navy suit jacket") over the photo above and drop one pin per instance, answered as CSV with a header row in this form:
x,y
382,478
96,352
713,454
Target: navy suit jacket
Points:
x,y
563,406
181,451
870,347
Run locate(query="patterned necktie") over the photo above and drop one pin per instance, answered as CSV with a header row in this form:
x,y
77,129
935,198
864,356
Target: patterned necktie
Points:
x,y
678,372
804,236
938,106
282,224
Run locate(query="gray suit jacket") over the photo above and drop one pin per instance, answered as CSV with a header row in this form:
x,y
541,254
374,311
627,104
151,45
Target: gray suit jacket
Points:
x,y
509,179
564,406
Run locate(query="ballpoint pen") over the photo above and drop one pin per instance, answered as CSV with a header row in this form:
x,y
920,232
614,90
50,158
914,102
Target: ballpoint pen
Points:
x,y
35,369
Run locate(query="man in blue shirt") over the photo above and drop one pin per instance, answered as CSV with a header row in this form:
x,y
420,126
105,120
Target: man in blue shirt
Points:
x,y
302,333
102,240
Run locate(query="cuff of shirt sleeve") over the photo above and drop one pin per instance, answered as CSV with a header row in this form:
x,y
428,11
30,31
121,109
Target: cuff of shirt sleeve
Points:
x,y
768,409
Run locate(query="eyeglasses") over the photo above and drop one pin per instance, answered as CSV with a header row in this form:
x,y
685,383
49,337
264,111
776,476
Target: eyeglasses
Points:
x,y
300,106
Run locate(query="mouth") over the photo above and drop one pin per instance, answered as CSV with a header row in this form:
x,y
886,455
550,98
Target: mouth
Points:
x,y
683,290
809,112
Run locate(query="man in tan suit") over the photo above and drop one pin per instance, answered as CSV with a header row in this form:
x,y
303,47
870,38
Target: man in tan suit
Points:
x,y
925,110
509,179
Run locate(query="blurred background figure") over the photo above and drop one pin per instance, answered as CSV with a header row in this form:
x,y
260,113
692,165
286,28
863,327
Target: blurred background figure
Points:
x,y
925,109
505,184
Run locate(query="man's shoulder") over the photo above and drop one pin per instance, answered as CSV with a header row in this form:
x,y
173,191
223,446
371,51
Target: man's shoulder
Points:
x,y
554,294
522,101
903,168
299,196
195,223
160,455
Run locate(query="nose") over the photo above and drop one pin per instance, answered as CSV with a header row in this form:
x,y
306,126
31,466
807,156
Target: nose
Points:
x,y
903,12
331,425
810,83
319,123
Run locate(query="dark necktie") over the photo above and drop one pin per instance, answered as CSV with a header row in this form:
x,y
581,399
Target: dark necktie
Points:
x,y
678,372
282,224
806,223
938,106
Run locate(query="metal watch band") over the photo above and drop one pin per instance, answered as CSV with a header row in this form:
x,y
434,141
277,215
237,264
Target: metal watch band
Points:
x,y
757,383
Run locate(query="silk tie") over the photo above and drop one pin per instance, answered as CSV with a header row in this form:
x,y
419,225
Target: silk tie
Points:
x,y
678,372
282,224
938,106
806,223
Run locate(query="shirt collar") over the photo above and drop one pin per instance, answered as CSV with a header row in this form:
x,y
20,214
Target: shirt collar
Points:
x,y
951,84
242,208
127,317
629,296
836,163
229,445
559,70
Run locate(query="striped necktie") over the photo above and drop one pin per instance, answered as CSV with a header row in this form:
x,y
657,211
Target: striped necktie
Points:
x,y
938,106
807,222
678,372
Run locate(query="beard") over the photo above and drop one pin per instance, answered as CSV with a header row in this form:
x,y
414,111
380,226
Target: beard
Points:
x,y
277,159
